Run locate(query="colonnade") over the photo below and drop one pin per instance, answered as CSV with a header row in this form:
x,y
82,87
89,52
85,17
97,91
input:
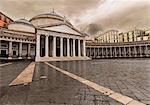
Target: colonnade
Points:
x,y
118,51
72,48
10,50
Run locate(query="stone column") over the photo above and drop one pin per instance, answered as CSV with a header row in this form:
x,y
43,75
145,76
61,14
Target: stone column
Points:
x,y
46,46
110,51
29,51
20,50
54,46
106,52
79,48
135,52
140,47
61,47
115,51
98,52
68,48
94,52
119,51
10,50
124,51
74,48
84,48
146,48
90,52
38,47
102,52
129,51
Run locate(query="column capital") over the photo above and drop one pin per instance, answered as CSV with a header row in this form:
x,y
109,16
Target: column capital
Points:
x,y
38,34
46,35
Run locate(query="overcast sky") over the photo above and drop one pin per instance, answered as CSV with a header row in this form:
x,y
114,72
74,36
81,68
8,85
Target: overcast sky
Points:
x,y
87,15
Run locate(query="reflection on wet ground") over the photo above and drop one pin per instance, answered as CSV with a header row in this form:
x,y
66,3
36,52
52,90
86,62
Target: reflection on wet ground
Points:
x,y
54,89
128,77
50,87
9,73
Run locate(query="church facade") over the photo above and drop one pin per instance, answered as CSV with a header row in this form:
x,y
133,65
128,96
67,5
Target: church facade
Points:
x,y
45,37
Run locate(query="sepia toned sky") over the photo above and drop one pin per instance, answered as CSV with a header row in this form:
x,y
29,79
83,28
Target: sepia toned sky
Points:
x,y
89,16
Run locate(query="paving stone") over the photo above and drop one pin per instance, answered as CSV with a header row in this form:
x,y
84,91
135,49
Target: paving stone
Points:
x,y
130,78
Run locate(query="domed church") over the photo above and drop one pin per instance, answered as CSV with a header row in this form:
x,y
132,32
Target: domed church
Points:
x,y
45,37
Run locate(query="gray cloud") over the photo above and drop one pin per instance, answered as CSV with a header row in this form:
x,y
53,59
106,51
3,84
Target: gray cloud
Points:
x,y
92,28
135,15
29,8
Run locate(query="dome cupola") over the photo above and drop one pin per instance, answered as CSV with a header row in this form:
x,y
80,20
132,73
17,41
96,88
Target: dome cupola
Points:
x,y
22,25
48,20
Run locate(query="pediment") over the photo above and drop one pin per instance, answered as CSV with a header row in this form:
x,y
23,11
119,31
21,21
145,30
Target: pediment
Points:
x,y
63,28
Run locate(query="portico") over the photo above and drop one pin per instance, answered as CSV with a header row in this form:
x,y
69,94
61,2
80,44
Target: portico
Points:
x,y
50,46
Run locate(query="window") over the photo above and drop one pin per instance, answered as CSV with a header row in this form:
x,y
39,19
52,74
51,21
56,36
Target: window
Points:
x,y
3,53
4,45
5,19
5,26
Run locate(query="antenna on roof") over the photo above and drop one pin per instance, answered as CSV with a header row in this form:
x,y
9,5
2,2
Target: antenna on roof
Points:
x,y
65,19
53,11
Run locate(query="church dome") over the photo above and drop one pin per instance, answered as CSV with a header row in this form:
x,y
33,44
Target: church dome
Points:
x,y
22,25
48,20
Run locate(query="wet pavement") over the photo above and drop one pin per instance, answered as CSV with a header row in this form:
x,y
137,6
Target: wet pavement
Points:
x,y
9,72
130,77
50,87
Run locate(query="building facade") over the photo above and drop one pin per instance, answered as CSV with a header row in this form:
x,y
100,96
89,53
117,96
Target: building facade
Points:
x,y
110,36
113,36
4,20
131,36
45,37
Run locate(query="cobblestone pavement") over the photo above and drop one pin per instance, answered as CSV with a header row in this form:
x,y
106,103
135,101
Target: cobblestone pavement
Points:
x,y
129,77
50,87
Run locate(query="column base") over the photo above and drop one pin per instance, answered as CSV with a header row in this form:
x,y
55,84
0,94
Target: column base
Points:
x,y
29,57
37,59
9,57
43,59
19,57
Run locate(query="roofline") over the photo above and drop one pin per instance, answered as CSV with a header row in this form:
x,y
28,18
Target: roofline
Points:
x,y
60,32
17,31
51,18
7,16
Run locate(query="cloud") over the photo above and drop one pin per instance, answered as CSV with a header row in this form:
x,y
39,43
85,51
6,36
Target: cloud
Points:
x,y
88,15
123,15
29,8
92,28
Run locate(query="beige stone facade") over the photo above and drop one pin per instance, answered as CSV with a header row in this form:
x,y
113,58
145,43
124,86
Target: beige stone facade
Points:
x,y
45,37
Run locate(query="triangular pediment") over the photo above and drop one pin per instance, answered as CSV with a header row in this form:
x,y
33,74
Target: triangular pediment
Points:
x,y
63,28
